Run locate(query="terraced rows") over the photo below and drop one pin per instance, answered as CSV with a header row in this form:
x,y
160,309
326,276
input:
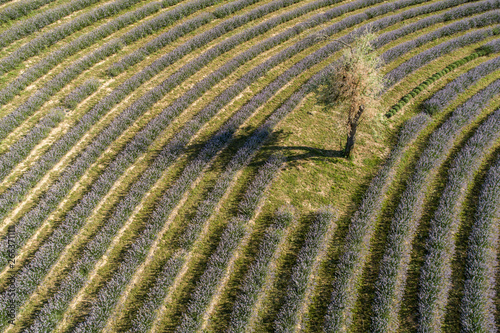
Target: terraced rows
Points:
x,y
140,190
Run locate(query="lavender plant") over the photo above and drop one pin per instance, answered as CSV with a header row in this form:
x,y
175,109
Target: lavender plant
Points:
x,y
144,75
478,308
20,9
231,237
47,63
15,193
256,275
19,150
394,265
37,22
435,278
34,46
361,228
441,99
143,319
93,196
120,123
435,52
293,100
478,21
455,13
80,93
287,317
108,295
58,192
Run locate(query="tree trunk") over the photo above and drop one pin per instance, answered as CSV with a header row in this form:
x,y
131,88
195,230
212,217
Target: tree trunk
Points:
x,y
351,132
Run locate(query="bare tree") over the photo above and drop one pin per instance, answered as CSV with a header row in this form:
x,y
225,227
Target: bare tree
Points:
x,y
353,85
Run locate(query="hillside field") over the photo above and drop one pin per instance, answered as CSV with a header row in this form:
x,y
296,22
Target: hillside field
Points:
x,y
166,166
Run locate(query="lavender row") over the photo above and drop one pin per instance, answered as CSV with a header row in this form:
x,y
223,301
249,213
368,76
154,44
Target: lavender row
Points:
x,y
441,99
456,13
234,231
34,102
59,192
175,33
143,320
120,123
39,43
256,275
18,151
435,278
108,295
36,216
33,219
15,193
130,84
361,229
210,110
259,136
144,29
165,38
168,155
153,46
225,98
478,21
437,51
169,200
478,308
20,9
390,284
287,316
42,67
431,79
37,22
80,93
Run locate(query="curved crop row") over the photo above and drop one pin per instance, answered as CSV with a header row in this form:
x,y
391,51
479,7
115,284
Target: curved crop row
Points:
x,y
441,99
108,294
286,319
256,275
122,121
178,31
16,192
435,278
394,265
437,51
231,237
478,306
18,151
145,316
80,93
290,74
34,46
47,63
248,109
96,199
20,9
478,21
37,22
361,230
175,108
465,10
386,8
172,196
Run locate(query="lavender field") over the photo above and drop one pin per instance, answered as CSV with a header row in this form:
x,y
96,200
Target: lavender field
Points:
x,y
166,166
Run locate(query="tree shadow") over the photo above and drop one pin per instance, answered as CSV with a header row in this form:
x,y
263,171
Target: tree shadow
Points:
x,y
297,153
